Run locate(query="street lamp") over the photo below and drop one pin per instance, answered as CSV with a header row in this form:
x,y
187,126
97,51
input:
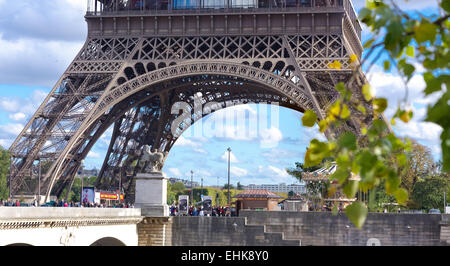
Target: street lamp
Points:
x,y
229,196
192,186
120,178
39,180
79,172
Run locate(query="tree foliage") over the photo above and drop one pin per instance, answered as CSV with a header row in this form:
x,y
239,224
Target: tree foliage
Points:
x,y
429,192
379,157
4,171
314,188
420,165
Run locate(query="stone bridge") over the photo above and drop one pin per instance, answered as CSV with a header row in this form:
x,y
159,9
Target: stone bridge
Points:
x,y
69,226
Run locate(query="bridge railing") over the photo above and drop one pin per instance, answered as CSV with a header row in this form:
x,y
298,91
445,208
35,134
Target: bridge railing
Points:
x,y
100,7
162,7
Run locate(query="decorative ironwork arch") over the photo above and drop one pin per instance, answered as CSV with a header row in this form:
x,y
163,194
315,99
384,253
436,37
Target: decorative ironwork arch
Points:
x,y
246,74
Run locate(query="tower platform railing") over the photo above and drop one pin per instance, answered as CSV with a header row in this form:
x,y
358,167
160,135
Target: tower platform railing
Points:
x,y
203,7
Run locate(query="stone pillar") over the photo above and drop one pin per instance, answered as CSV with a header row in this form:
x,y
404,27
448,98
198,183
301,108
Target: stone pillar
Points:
x,y
155,231
151,194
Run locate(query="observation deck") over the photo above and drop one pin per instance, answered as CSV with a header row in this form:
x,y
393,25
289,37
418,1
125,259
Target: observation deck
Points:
x,y
223,17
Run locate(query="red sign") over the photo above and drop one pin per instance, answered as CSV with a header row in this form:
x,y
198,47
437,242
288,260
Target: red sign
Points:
x,y
110,196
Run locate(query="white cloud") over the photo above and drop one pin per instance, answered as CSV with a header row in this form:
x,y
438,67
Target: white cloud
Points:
x,y
9,105
35,62
201,151
78,5
278,156
6,143
17,116
238,172
273,172
184,142
198,174
175,171
93,155
281,173
233,158
270,137
10,129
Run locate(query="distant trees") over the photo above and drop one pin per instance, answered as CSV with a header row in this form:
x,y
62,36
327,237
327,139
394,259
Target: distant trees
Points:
x,y
4,170
428,193
226,186
420,165
173,191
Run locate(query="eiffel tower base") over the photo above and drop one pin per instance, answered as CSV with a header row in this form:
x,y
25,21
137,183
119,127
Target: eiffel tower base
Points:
x,y
151,194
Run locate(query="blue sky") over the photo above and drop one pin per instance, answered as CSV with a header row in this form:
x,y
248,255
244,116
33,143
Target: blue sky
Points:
x,y
39,39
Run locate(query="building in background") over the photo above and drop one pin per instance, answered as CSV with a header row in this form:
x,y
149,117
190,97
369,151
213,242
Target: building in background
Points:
x,y
186,183
262,200
89,173
279,188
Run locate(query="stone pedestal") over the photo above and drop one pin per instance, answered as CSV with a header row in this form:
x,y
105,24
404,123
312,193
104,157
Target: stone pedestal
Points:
x,y
151,194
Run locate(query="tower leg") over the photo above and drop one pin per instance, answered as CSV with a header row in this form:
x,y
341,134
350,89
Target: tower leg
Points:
x,y
151,194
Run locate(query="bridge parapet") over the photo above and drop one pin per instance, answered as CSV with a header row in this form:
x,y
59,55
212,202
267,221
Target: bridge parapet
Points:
x,y
26,217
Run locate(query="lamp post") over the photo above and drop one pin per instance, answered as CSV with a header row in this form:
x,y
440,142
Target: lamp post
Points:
x,y
229,196
192,186
81,196
120,179
10,171
39,180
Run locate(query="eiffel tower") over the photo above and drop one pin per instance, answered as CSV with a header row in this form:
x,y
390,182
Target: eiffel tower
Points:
x,y
142,57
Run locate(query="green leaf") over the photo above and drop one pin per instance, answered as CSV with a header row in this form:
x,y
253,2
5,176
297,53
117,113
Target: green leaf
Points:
x,y
445,4
410,51
316,152
387,65
335,65
401,195
367,92
309,118
345,112
340,175
367,162
362,109
357,213
379,105
406,116
401,159
425,32
351,188
369,43
348,140
392,182
435,83
323,125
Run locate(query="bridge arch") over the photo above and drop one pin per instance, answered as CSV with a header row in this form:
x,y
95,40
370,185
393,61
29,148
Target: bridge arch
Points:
x,y
107,242
19,245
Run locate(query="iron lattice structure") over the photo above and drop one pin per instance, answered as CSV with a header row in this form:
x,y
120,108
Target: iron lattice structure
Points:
x,y
137,64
